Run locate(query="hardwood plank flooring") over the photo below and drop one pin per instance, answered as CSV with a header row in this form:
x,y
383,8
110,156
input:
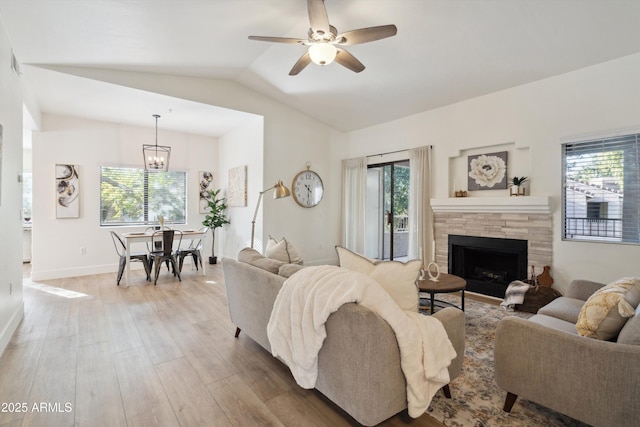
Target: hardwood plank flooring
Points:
x,y
149,355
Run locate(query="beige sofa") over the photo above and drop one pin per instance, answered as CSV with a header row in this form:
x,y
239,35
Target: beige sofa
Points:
x,y
543,359
359,363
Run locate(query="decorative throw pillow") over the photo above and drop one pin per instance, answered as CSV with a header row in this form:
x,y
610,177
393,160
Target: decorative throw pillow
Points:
x,y
283,251
397,278
288,270
255,258
630,333
606,311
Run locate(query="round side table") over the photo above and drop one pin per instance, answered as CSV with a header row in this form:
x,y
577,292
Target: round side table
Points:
x,y
446,283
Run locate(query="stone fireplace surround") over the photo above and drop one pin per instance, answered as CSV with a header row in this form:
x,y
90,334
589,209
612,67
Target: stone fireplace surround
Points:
x,y
527,218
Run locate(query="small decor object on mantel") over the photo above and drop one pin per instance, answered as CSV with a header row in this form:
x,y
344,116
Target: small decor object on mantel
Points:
x,y
215,218
515,187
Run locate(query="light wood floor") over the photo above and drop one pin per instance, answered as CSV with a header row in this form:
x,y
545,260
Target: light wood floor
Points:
x,y
148,355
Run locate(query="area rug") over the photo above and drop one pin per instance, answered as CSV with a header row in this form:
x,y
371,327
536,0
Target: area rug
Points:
x,y
477,400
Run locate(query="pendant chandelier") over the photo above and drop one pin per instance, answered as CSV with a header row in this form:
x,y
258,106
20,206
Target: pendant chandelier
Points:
x,y
156,157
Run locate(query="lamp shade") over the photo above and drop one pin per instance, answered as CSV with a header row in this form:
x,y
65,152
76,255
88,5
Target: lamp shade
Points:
x,y
322,53
281,191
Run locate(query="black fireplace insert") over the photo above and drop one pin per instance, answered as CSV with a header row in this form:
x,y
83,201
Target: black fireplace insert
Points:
x,y
488,264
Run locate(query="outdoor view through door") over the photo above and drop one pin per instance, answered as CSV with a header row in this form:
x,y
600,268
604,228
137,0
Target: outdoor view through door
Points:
x,y
387,210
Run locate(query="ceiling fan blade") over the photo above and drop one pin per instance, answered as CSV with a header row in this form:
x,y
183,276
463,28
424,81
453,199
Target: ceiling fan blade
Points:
x,y
318,17
303,61
365,35
286,40
349,61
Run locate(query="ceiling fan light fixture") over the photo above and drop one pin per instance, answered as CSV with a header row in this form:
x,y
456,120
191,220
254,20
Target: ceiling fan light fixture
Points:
x,y
322,53
325,43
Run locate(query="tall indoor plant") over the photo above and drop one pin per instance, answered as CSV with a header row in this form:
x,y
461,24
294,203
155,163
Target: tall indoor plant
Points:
x,y
215,218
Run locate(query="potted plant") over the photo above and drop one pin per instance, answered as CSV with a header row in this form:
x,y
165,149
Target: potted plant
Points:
x,y
215,218
515,187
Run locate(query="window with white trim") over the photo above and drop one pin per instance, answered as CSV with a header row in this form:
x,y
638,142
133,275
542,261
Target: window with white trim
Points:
x,y
601,183
132,196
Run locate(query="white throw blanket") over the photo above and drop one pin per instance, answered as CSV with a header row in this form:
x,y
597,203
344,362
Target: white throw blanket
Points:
x,y
515,294
296,329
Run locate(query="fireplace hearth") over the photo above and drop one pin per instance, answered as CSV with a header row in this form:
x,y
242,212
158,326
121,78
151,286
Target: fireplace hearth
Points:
x,y
488,264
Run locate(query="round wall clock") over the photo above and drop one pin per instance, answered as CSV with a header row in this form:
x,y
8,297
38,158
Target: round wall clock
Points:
x,y
307,188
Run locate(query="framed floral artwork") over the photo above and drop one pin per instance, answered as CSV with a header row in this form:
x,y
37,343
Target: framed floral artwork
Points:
x,y
67,191
205,185
487,171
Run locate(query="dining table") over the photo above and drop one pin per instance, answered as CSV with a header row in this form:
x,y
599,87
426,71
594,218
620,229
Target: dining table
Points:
x,y
144,237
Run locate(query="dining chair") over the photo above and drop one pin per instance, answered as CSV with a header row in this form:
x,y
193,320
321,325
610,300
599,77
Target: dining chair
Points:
x,y
158,245
155,246
194,249
167,254
121,249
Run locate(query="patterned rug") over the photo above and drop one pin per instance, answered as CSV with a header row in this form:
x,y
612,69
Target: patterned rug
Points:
x,y
476,398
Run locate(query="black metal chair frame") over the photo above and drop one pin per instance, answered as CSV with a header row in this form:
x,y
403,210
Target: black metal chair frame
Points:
x,y
155,247
121,249
167,254
194,249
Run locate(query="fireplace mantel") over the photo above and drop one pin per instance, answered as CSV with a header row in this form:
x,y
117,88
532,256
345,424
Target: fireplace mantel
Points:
x,y
527,204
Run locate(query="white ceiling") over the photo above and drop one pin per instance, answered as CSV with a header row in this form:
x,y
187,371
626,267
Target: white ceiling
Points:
x,y
445,51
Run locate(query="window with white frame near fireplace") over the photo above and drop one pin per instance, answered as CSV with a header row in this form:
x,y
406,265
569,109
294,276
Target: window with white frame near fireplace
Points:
x,y
601,183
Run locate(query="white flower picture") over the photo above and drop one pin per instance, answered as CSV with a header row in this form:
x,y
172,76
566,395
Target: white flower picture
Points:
x,y
488,171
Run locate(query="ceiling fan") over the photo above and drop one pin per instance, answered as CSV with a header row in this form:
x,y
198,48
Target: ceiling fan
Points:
x,y
324,41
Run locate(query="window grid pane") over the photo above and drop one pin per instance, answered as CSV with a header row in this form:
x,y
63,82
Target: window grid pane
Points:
x,y
601,195
131,196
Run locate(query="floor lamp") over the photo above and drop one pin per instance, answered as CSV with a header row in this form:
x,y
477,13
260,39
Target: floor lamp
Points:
x,y
281,191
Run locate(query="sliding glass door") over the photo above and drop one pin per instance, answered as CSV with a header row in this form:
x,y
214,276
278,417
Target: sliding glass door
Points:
x,y
387,209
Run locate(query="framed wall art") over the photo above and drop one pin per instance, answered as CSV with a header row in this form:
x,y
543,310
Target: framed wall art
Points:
x,y
205,185
67,191
487,171
237,193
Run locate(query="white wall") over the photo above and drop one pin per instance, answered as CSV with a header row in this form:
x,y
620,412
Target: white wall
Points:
x,y
11,301
530,119
242,147
290,139
91,144
537,115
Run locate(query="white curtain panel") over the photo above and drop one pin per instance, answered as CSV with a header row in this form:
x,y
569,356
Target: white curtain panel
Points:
x,y
354,188
420,213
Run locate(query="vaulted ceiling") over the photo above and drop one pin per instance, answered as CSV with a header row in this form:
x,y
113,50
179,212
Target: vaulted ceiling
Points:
x,y
445,51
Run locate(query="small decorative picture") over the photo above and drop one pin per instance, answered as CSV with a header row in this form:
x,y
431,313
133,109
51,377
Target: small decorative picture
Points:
x,y
487,171
237,193
67,191
205,185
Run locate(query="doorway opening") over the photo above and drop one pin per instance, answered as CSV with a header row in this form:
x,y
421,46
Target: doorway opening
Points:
x,y
387,211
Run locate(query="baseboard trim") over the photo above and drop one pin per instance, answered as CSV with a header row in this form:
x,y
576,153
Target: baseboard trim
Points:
x,y
8,331
77,272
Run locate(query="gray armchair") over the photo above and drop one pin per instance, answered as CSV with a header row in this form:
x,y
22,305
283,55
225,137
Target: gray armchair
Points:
x,y
543,359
